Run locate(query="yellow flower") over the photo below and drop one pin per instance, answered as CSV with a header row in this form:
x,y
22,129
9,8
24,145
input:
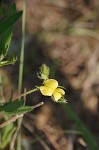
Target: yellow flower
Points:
x,y
50,88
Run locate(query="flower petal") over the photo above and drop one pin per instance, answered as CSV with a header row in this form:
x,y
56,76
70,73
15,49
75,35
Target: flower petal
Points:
x,y
56,96
51,83
46,91
58,93
59,90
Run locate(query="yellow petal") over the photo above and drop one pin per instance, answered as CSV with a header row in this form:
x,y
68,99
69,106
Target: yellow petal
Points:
x,y
59,90
51,83
58,93
57,96
46,91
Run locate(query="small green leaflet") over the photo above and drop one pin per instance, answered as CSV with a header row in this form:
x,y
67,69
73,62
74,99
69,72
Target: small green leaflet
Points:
x,y
12,105
11,60
20,110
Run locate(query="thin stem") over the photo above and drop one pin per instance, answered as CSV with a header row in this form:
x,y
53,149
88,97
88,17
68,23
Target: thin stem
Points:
x,y
21,72
22,51
10,120
24,94
29,92
38,105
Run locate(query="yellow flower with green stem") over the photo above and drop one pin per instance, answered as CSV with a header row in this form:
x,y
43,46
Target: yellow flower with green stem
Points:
x,y
51,88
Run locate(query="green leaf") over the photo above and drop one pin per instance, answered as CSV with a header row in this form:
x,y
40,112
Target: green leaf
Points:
x,y
5,130
9,21
20,110
12,105
6,36
7,133
12,9
23,109
5,42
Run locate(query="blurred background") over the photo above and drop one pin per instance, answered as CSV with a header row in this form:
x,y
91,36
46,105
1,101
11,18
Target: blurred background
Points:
x,y
64,34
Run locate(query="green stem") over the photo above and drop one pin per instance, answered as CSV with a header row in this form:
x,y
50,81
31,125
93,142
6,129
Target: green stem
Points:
x,y
24,94
29,92
21,73
22,51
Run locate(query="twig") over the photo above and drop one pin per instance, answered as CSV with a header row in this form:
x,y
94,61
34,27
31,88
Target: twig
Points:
x,y
10,120
19,125
38,138
29,92
14,138
38,105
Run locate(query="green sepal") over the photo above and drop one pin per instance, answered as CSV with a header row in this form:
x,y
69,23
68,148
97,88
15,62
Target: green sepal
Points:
x,y
11,61
61,100
44,72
